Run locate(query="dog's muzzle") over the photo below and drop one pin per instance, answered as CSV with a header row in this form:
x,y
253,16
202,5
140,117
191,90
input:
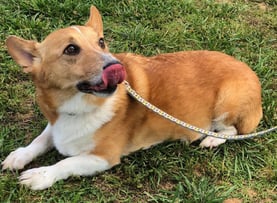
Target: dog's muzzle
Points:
x,y
112,75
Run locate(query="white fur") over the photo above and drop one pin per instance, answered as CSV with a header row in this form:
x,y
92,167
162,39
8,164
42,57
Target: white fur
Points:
x,y
24,155
72,134
77,122
44,177
77,29
219,126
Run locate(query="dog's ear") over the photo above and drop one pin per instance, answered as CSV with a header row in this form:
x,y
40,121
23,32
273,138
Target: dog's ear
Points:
x,y
23,52
95,21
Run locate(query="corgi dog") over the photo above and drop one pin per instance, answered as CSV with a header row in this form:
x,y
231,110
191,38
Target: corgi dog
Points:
x,y
94,122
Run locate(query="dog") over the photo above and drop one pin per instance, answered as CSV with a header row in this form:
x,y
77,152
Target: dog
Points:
x,y
94,122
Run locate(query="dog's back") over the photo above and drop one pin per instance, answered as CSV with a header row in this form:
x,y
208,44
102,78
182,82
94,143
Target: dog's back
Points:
x,y
207,89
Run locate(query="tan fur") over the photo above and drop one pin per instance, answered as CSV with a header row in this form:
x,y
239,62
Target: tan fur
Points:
x,y
194,86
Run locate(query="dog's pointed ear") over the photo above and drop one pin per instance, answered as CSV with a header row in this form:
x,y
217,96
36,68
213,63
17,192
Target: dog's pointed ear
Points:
x,y
23,52
95,21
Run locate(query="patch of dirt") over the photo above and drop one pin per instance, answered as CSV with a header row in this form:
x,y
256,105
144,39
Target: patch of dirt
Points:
x,y
267,200
262,6
167,185
233,200
198,170
224,1
251,193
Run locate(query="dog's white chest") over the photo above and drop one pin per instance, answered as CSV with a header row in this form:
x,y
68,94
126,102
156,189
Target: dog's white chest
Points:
x,y
73,131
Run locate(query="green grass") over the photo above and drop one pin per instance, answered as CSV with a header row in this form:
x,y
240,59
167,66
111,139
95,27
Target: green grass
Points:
x,y
170,172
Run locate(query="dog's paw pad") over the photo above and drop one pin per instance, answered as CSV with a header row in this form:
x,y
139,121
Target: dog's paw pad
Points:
x,y
211,142
17,159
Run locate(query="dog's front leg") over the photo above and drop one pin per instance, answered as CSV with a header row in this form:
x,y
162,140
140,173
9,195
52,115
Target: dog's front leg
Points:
x,y
24,155
82,165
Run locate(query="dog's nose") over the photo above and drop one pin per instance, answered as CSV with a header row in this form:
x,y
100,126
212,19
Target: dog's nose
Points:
x,y
110,64
109,60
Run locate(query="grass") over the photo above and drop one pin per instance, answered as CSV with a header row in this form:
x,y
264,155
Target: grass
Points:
x,y
170,172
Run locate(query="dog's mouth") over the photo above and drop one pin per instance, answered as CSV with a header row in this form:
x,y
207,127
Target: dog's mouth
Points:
x,y
112,75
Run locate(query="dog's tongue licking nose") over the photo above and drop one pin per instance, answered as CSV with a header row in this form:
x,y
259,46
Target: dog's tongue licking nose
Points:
x,y
113,75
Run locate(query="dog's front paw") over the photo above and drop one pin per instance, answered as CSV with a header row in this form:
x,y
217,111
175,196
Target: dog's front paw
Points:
x,y
212,142
17,159
38,178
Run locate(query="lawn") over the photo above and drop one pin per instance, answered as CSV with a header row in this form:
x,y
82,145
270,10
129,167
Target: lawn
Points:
x,y
238,171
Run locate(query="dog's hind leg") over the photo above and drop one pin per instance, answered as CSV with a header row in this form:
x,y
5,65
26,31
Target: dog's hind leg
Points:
x,y
237,110
214,142
221,128
24,155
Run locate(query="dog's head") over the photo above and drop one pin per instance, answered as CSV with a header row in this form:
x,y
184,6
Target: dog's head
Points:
x,y
75,57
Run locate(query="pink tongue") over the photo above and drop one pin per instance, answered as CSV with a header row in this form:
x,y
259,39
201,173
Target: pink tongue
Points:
x,y
113,75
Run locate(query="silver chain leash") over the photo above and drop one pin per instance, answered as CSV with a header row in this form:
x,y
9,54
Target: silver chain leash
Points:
x,y
163,114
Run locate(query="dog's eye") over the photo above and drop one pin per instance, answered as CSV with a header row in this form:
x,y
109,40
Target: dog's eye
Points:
x,y
102,43
71,50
